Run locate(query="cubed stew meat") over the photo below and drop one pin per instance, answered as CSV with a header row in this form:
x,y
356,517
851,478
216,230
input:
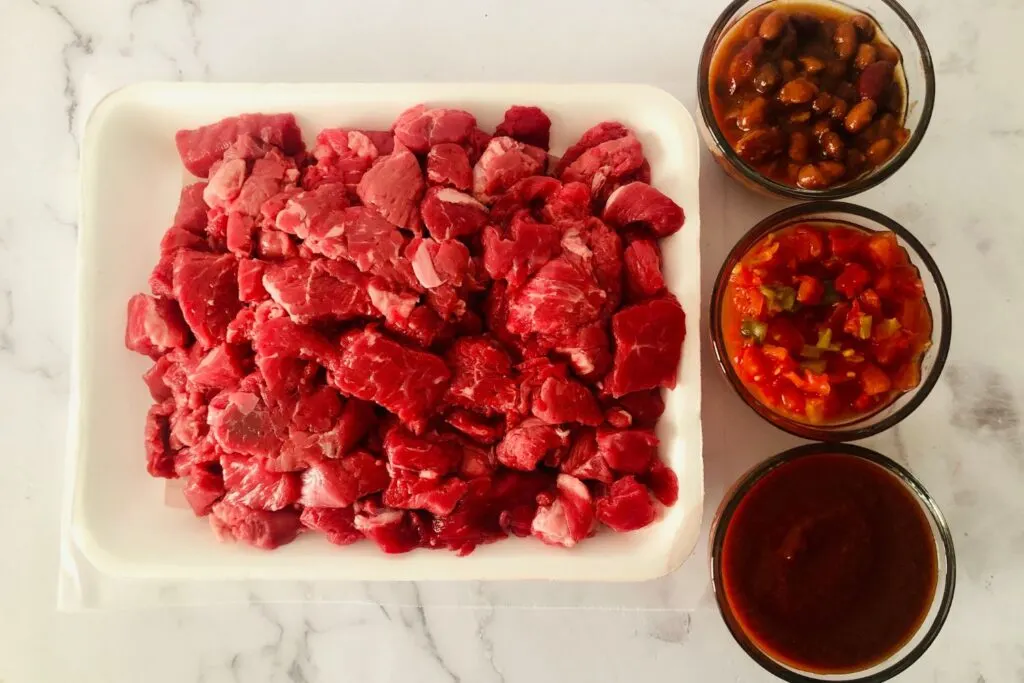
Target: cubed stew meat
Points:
x,y
826,323
809,95
420,336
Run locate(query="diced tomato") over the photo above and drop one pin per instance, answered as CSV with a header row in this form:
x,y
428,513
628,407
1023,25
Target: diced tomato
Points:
x,y
783,332
810,289
846,243
837,319
741,276
863,403
765,254
871,302
796,379
893,349
885,250
853,280
873,380
804,244
914,316
907,376
792,398
752,363
818,383
749,302
852,323
901,281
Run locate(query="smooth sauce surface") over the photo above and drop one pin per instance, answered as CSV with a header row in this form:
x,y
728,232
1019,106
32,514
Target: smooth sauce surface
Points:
x,y
829,564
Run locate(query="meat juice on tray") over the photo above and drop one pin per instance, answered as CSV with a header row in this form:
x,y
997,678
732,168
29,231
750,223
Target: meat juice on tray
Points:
x,y
826,323
429,336
809,95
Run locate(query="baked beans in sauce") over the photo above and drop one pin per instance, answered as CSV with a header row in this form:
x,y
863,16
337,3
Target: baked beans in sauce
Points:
x,y
809,95
829,564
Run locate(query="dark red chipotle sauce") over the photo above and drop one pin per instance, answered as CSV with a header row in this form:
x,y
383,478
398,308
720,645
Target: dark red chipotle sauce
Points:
x,y
828,564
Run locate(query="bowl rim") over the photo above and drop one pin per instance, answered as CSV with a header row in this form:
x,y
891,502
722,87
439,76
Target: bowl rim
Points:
x,y
838,433
735,495
855,186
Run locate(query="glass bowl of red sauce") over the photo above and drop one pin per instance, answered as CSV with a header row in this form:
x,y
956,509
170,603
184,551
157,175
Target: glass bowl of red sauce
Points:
x,y
830,562
831,321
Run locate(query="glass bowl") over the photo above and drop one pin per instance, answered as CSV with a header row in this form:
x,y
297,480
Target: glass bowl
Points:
x,y
936,296
945,583
897,24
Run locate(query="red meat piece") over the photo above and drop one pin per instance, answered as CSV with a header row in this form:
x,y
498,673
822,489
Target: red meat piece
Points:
x,y
317,410
601,133
532,375
629,450
437,496
448,214
392,530
188,426
275,245
311,212
639,203
201,147
605,163
663,483
448,164
643,270
648,346
339,483
476,144
206,287
503,163
407,382
530,246
481,376
563,400
250,280
423,326
527,444
239,236
337,524
221,368
159,456
393,301
571,203
241,422
260,528
529,125
438,263
584,460
394,187
154,379
430,455
419,128
161,278
558,298
593,246
320,289
342,156
569,518
154,325
383,140
626,506
587,349
644,407
202,490
191,213
248,482
226,182
474,426
476,461
176,238
280,337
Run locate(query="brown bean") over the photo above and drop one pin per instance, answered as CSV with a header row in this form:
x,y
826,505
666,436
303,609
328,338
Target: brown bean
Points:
x,y
865,27
793,172
854,160
900,136
822,103
839,109
788,44
810,177
805,23
788,68
799,147
766,79
845,39
833,170
773,25
887,125
836,69
893,99
812,65
798,91
866,54
847,91
741,69
879,151
887,53
752,24
860,116
832,146
800,117
874,79
820,128
753,114
760,145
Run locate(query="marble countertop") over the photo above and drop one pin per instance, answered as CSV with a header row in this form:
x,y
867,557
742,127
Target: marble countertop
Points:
x,y
960,194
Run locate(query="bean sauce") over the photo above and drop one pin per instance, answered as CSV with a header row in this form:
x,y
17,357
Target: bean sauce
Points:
x,y
808,95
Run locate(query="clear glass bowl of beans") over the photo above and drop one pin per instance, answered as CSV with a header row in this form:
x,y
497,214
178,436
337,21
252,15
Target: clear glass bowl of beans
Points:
x,y
814,99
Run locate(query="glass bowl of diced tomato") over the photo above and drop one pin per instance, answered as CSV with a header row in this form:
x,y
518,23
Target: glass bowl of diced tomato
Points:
x,y
831,320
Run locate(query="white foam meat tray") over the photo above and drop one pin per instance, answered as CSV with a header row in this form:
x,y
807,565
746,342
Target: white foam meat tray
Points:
x,y
131,176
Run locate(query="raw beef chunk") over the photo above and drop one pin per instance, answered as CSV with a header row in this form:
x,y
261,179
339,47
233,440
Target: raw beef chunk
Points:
x,y
648,346
407,382
206,287
644,205
394,186
154,325
202,147
529,125
448,164
626,506
414,336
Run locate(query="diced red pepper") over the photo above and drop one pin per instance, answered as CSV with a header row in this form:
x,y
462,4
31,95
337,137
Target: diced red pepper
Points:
x,y
873,380
885,250
907,376
805,244
871,302
853,280
783,332
749,302
846,243
752,363
792,399
818,383
810,289
901,281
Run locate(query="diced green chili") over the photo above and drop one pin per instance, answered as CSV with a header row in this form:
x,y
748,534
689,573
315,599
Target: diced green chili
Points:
x,y
754,329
